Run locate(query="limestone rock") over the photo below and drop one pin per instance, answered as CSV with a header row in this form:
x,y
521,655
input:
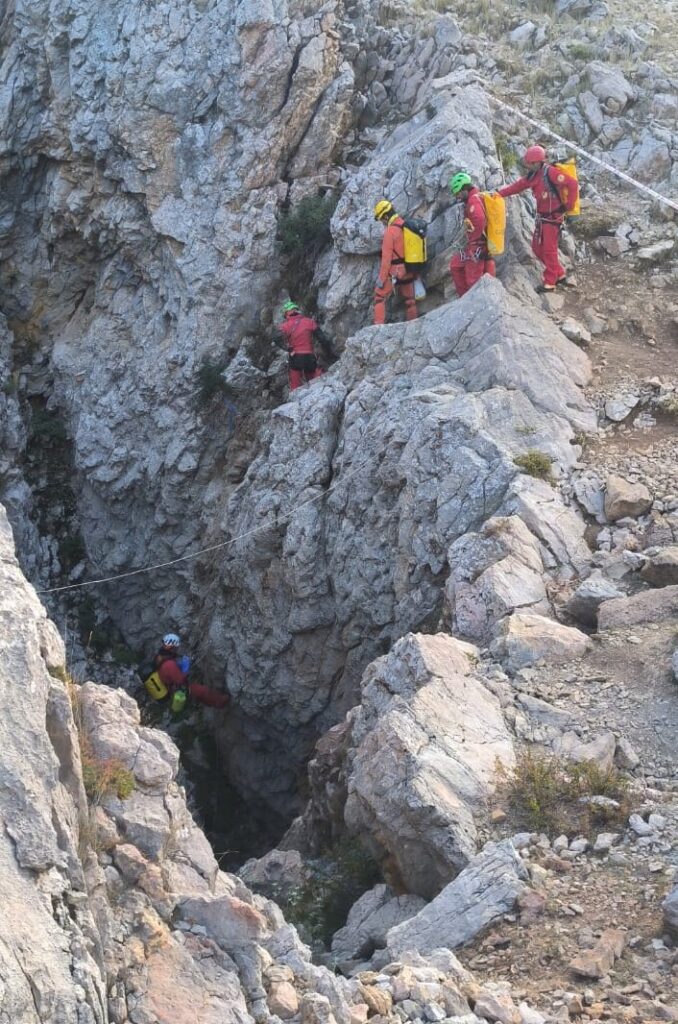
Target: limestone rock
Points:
x,y
594,963
584,603
416,460
494,573
621,406
486,889
661,570
494,1003
369,920
425,743
600,749
275,874
647,606
526,639
670,908
229,921
625,499
590,494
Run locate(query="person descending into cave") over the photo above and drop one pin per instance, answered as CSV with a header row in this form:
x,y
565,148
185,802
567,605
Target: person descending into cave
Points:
x,y
394,270
557,195
173,670
474,260
298,333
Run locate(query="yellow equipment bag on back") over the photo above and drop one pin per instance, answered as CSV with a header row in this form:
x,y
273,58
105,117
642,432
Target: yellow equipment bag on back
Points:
x,y
495,232
155,687
571,203
414,243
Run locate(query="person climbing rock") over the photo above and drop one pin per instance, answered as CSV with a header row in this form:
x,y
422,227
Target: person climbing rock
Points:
x,y
555,193
392,270
469,265
173,671
298,332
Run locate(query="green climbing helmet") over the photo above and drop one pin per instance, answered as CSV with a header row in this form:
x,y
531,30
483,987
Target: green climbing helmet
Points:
x,y
289,307
459,181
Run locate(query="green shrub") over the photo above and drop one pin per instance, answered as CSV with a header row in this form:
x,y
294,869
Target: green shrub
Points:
x,y
544,794
506,153
305,229
668,405
47,427
209,380
535,463
320,906
71,550
104,776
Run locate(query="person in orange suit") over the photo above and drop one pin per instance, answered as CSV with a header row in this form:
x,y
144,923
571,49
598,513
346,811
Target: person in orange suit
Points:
x,y
468,266
547,184
392,265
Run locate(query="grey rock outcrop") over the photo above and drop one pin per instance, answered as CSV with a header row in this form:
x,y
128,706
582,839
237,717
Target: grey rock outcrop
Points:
x,y
525,639
625,499
116,912
480,895
584,603
425,742
369,920
415,430
494,573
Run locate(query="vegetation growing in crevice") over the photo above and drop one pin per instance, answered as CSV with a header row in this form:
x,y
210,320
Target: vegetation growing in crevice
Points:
x,y
535,463
549,794
304,232
320,906
101,777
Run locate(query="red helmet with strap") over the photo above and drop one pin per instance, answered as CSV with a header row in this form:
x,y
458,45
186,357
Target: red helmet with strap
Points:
x,y
535,155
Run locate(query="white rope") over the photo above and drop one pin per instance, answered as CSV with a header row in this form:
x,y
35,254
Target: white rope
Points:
x,y
578,149
213,547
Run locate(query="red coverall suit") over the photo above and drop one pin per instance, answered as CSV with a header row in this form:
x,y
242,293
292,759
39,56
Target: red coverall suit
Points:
x,y
468,266
550,215
174,679
297,331
393,265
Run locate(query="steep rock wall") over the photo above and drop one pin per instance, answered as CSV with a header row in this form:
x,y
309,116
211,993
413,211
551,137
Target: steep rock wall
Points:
x,y
362,483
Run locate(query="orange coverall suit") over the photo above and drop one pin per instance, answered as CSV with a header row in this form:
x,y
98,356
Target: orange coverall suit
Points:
x,y
468,266
393,265
550,215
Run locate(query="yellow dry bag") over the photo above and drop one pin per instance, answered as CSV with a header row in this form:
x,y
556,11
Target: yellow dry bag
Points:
x,y
155,687
414,243
571,204
495,231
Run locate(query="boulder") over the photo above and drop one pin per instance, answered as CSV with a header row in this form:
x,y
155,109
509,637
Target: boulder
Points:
x,y
232,923
584,603
526,639
670,909
369,919
621,406
661,570
590,494
494,572
479,896
623,498
426,739
648,606
600,749
275,874
596,962
608,85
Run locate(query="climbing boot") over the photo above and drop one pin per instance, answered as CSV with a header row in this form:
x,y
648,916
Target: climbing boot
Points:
x,y
566,282
545,288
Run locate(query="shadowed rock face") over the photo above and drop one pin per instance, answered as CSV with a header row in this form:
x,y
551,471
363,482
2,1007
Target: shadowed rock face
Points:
x,y
367,478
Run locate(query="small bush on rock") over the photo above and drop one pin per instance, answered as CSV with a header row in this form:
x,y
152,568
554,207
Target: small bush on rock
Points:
x,y
547,794
209,380
320,906
104,776
535,463
307,226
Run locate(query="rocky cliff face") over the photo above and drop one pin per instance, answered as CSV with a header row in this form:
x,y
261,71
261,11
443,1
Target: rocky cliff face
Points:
x,y
366,479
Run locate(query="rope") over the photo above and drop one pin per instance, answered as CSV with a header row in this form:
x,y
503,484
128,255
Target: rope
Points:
x,y
207,550
578,149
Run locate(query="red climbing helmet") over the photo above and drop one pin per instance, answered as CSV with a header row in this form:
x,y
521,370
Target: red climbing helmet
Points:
x,y
535,155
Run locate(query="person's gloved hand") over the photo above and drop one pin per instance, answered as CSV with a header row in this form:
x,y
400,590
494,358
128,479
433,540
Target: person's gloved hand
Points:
x,y
184,663
380,283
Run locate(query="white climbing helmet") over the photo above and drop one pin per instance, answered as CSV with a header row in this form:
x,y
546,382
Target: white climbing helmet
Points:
x,y
171,640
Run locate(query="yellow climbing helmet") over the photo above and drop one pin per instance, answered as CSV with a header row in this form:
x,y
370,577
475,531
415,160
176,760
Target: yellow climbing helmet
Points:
x,y
383,207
